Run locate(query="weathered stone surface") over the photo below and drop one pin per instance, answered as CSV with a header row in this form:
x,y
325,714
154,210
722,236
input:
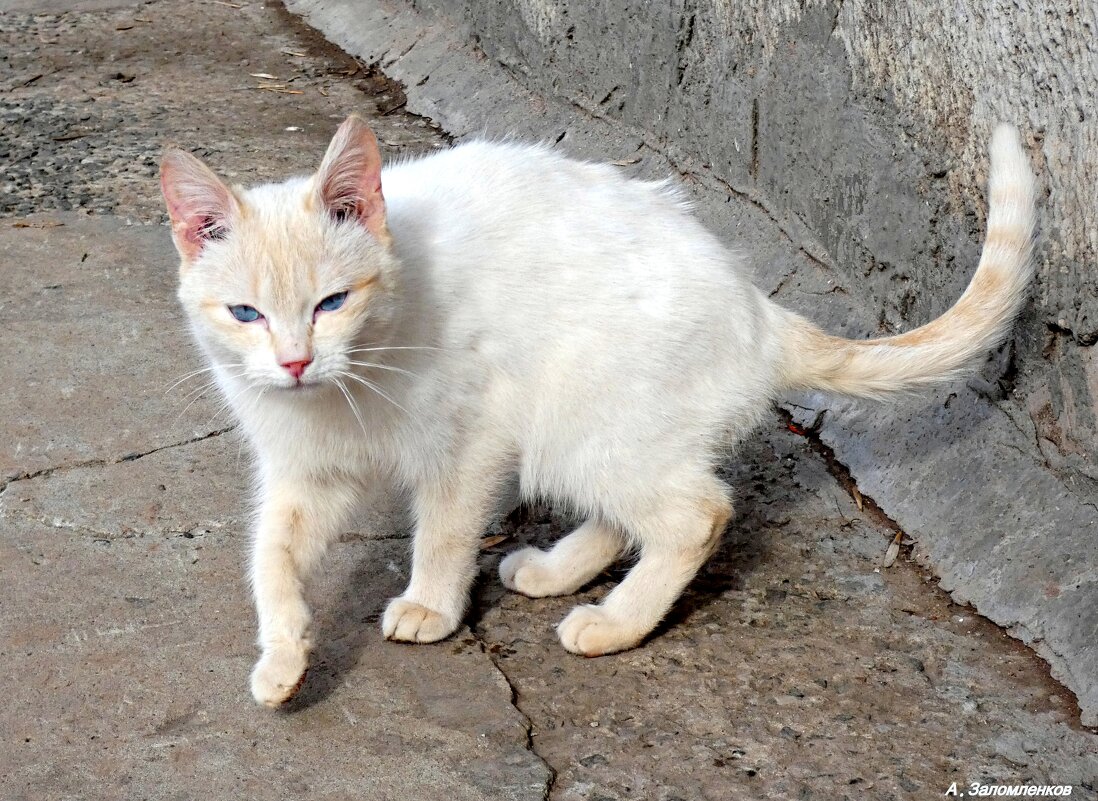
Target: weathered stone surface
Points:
x,y
126,662
814,141
100,341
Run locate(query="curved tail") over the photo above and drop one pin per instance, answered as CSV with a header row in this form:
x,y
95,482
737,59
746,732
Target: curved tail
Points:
x,y
943,348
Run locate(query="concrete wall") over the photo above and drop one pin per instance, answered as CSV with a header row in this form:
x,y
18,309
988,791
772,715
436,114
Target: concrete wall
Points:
x,y
842,143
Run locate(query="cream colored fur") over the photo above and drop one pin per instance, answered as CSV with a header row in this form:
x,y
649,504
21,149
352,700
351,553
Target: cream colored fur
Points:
x,y
510,311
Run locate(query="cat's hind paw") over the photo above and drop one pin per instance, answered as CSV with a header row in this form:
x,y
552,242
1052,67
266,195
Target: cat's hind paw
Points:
x,y
591,631
524,571
278,675
407,621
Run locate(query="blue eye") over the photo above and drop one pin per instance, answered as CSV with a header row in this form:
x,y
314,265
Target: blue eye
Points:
x,y
332,302
245,314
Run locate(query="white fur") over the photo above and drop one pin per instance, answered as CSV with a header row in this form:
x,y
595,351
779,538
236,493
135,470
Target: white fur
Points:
x,y
536,316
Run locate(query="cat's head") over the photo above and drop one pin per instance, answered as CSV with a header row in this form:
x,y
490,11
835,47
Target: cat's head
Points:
x,y
281,282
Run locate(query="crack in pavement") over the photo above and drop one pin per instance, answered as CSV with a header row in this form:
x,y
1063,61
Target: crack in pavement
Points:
x,y
839,471
46,472
60,523
528,721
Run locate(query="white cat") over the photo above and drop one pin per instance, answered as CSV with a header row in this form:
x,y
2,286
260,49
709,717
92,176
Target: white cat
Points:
x,y
502,309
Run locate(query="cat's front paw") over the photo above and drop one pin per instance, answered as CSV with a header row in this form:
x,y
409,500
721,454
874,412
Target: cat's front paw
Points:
x,y
279,674
408,621
592,631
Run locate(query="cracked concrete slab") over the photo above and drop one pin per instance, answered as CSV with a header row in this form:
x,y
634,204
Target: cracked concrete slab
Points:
x,y
191,489
98,336
124,663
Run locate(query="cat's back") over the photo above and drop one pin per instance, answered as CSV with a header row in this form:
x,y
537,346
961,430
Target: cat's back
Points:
x,y
489,176
547,267
530,211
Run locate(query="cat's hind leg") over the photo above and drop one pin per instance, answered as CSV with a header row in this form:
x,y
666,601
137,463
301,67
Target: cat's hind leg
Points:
x,y
675,540
567,566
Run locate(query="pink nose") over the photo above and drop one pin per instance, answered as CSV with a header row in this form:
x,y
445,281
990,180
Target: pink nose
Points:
x,y
296,368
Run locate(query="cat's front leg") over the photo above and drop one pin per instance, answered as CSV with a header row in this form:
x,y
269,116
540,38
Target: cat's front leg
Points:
x,y
298,518
449,522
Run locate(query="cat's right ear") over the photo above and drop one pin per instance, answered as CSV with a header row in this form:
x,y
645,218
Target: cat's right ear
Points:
x,y
200,206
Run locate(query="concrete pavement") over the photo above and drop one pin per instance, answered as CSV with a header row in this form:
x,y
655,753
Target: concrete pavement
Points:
x,y
795,666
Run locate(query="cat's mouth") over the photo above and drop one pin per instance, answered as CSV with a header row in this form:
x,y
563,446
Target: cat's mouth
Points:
x,y
300,386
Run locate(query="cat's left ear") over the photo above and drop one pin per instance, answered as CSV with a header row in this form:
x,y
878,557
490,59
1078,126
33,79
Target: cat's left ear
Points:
x,y
200,206
348,182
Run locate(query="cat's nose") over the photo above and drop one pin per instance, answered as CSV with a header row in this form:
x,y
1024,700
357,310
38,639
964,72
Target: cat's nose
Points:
x,y
296,368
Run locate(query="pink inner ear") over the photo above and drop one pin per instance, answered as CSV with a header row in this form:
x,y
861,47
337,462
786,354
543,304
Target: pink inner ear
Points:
x,y
349,179
201,207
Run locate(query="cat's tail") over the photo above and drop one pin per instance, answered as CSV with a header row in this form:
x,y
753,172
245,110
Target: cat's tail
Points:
x,y
943,348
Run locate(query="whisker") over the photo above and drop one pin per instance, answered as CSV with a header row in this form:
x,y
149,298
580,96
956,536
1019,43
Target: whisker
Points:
x,y
354,409
374,387
194,373
393,347
227,404
187,377
213,382
384,367
198,390
197,393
